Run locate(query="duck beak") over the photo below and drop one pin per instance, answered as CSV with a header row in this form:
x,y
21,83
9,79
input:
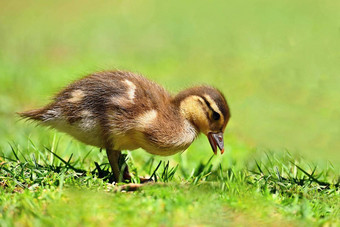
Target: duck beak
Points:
x,y
216,140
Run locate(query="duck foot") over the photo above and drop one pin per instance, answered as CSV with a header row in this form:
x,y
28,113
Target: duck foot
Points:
x,y
131,187
127,177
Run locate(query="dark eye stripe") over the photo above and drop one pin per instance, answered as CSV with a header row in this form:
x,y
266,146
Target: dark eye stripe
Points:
x,y
215,115
206,113
208,104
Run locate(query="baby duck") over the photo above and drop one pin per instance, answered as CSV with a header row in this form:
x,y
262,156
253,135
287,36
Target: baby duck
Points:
x,y
118,110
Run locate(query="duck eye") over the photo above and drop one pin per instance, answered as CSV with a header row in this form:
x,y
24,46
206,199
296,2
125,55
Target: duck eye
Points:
x,y
215,116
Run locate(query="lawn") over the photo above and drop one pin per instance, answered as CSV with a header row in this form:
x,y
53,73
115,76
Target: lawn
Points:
x,y
277,62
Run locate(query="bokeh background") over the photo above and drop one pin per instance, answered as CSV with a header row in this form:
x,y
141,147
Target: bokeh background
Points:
x,y
277,62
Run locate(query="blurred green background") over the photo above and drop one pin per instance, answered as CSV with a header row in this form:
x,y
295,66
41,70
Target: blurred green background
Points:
x,y
277,62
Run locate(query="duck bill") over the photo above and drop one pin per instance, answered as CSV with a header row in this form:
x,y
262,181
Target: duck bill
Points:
x,y
216,140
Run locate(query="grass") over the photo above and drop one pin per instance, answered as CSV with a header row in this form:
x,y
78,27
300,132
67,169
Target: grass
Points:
x,y
276,62
38,188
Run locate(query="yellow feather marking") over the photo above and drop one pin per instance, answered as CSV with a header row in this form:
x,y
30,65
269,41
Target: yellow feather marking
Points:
x,y
135,139
127,99
76,96
86,113
119,101
146,119
192,110
131,90
127,141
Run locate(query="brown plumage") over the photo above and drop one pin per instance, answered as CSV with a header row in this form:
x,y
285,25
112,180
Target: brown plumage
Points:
x,y
119,110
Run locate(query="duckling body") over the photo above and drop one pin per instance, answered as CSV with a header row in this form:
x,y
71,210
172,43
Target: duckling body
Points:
x,y
119,110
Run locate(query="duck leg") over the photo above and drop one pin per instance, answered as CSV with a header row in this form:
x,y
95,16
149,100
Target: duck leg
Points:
x,y
127,176
113,157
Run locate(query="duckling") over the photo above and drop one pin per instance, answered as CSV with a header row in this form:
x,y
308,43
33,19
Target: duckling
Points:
x,y
117,110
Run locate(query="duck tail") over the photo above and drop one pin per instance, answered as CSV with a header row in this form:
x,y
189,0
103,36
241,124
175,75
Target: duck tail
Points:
x,y
37,114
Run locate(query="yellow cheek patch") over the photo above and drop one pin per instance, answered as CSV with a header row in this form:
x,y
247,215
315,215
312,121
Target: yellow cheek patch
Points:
x,y
76,96
192,109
